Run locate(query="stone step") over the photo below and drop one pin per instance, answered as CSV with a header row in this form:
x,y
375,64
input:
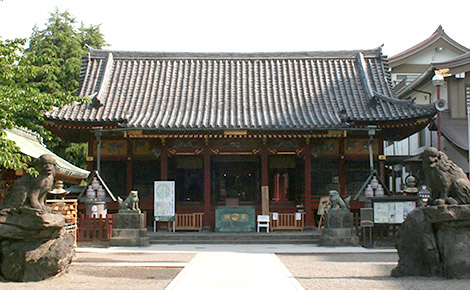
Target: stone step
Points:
x,y
129,242
234,238
247,241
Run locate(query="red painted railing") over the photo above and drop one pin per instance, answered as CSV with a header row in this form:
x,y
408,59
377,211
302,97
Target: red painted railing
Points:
x,y
95,229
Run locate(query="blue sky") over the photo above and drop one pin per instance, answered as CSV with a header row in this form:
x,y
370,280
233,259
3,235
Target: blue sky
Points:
x,y
249,25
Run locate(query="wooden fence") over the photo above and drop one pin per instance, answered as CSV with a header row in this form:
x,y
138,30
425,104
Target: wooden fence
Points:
x,y
95,229
288,221
187,222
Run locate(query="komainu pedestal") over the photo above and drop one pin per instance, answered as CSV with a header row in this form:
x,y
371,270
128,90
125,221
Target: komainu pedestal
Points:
x,y
129,230
33,242
339,230
435,241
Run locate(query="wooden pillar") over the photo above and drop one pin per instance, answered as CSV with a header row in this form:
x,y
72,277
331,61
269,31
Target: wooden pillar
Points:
x,y
264,166
91,155
164,161
309,220
381,162
342,168
207,188
129,166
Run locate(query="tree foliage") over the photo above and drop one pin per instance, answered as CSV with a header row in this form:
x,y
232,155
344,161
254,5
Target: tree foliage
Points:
x,y
20,103
41,77
58,49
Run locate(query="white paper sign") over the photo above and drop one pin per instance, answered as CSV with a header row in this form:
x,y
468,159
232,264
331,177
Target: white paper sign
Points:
x,y
392,212
275,216
381,212
164,200
298,216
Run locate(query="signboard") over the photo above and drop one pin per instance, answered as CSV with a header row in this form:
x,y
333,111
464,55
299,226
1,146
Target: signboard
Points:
x,y
392,212
235,219
164,201
323,205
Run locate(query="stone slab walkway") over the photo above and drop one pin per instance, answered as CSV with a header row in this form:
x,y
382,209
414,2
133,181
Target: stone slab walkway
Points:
x,y
230,270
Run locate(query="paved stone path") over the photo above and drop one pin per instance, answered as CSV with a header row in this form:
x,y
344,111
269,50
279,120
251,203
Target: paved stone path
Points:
x,y
229,270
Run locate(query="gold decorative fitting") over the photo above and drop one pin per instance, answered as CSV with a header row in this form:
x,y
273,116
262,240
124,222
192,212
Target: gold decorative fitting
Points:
x,y
256,151
236,132
445,72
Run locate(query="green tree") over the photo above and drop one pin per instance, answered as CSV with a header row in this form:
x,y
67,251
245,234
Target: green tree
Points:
x,y
58,50
39,78
20,103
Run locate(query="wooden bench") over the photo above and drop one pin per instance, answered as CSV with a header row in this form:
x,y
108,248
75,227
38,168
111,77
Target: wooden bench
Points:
x,y
187,222
287,221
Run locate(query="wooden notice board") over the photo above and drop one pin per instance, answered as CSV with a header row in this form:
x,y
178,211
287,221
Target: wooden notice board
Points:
x,y
264,200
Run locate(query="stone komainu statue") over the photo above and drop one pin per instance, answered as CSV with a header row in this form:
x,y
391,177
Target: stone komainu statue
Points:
x,y
337,202
131,203
30,190
448,182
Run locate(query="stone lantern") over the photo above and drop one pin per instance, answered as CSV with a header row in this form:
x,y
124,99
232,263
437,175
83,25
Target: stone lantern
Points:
x,y
96,195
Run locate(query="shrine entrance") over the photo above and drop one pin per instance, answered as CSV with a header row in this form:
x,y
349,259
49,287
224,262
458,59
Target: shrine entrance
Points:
x,y
236,177
286,178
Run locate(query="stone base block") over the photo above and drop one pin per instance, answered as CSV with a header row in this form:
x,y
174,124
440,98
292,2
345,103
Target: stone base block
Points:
x,y
129,242
341,237
339,219
339,232
123,233
129,230
129,220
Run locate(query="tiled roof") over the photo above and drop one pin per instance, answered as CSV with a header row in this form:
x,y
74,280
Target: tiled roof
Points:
x,y
463,59
438,34
260,91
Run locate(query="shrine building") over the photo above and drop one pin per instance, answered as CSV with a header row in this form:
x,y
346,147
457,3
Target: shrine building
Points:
x,y
223,125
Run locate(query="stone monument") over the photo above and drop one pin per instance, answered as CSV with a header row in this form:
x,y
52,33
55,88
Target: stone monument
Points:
x,y
33,242
339,227
435,240
129,224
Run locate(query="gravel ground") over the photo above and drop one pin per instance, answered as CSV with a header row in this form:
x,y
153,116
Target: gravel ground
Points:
x,y
358,271
313,271
90,271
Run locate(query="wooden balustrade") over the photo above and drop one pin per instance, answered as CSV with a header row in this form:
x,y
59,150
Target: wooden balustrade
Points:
x,y
288,221
95,228
187,222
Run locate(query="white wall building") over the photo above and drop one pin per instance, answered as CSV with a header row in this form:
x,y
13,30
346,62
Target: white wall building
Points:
x,y
412,71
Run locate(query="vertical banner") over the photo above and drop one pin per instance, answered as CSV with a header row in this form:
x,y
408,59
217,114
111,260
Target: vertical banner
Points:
x,y
164,209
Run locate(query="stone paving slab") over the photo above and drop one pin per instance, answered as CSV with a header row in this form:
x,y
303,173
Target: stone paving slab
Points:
x,y
243,248
230,270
